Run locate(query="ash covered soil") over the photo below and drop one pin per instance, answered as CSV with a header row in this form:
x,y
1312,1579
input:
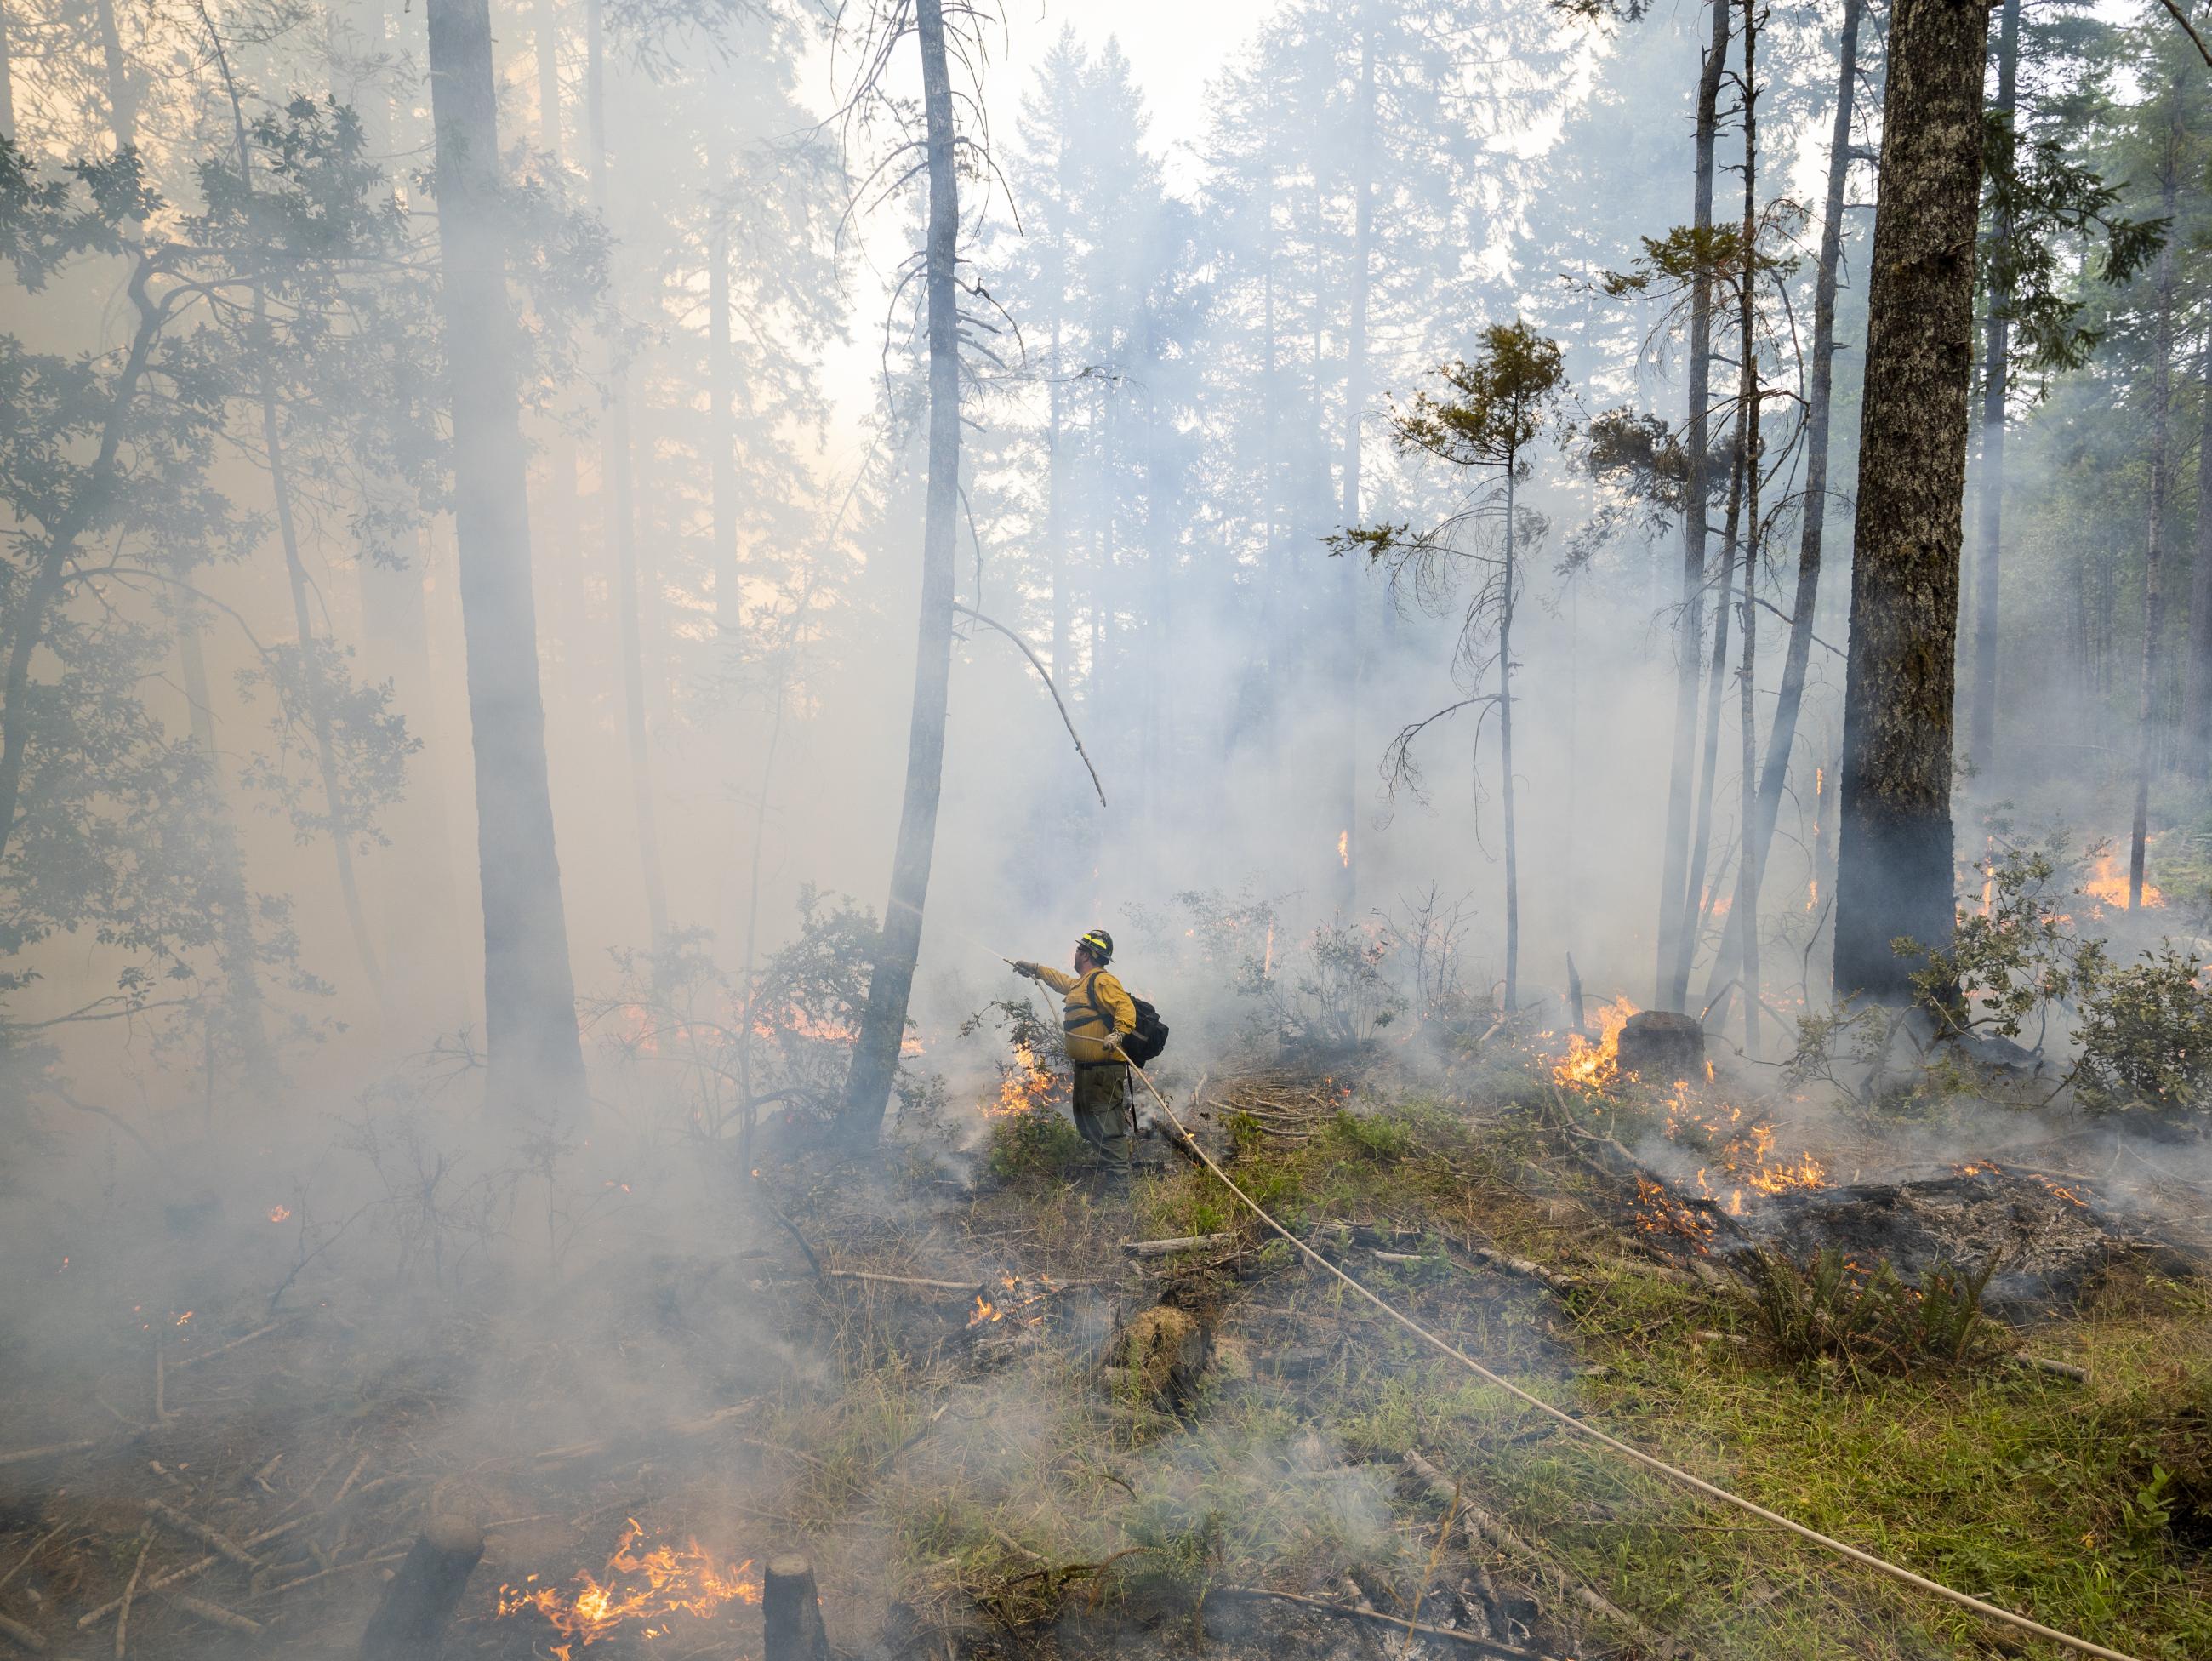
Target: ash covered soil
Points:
x,y
994,1429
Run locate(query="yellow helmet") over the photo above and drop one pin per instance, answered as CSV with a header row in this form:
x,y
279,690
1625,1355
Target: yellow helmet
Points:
x,y
1099,944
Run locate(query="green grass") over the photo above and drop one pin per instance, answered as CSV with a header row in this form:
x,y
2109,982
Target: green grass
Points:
x,y
2043,1495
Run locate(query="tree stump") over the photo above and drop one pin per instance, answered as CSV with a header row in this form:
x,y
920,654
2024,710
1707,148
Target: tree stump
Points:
x,y
791,1611
424,1594
1661,1048
1159,1357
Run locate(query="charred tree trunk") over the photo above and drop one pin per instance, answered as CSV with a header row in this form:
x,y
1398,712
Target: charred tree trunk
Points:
x,y
2161,465
875,1055
2196,709
530,999
1675,920
1997,366
1893,875
617,463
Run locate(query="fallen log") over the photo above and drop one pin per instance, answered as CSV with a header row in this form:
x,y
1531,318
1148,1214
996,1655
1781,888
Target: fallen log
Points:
x,y
1372,1617
1179,1243
425,1592
214,1614
21,1636
51,1450
158,1584
2080,1375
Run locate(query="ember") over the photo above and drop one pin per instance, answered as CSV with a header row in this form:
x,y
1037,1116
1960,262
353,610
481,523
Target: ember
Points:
x,y
1019,1306
650,1587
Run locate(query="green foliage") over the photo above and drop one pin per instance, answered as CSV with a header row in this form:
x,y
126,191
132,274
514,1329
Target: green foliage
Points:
x,y
2147,1037
1830,1309
1331,994
1036,1146
1494,407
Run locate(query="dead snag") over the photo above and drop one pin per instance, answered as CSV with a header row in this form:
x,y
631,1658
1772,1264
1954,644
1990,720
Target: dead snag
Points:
x,y
423,1595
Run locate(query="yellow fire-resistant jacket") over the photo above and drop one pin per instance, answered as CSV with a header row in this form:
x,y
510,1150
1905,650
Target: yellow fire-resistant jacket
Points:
x,y
1094,1007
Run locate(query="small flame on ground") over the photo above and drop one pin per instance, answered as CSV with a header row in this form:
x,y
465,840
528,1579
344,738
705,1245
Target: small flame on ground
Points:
x,y
1016,1306
651,1586
1344,849
277,1213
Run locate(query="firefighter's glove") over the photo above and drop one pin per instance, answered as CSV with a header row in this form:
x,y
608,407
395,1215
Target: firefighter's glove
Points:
x,y
1028,971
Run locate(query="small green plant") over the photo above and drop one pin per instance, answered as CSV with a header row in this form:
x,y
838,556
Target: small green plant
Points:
x,y
1034,1147
1828,1309
2147,1037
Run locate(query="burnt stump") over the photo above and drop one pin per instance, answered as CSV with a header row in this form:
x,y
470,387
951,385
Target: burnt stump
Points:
x,y
1661,1047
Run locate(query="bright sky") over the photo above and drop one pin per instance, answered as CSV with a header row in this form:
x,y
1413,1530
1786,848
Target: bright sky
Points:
x,y
1174,47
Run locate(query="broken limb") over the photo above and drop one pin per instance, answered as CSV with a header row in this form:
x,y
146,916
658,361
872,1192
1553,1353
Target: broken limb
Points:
x,y
1066,719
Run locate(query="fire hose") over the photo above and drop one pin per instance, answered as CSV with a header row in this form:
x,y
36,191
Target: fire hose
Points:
x,y
1591,1433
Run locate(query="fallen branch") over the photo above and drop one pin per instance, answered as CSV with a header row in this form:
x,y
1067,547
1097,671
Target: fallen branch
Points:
x,y
1066,719
1373,1618
2080,1375
972,1288
223,1349
1179,1243
131,1591
17,1633
215,1614
51,1450
790,1228
24,1561
201,1532
1500,1537
158,1584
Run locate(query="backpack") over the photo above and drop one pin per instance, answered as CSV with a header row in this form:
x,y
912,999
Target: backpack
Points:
x,y
1150,1037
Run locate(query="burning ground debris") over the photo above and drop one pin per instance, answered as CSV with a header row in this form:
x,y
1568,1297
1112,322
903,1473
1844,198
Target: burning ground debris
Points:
x,y
647,1584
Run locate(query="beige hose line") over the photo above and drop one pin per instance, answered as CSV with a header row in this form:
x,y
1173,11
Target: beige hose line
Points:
x,y
1590,1432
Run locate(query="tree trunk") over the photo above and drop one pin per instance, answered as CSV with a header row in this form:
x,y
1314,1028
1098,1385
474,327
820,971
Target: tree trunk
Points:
x,y
535,1062
1695,899
2196,709
1790,698
1670,982
875,1055
618,462
1997,366
122,106
1747,865
7,82
548,78
1893,874
2154,622
1055,523
1355,399
1512,999
722,467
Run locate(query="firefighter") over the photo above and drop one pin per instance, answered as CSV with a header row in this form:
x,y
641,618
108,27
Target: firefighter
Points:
x,y
1096,1014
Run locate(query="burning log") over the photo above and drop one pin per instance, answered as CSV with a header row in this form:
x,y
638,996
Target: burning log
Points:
x,y
791,1612
425,1592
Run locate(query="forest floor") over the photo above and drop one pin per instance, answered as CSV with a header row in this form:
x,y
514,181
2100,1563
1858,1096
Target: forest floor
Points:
x,y
923,1410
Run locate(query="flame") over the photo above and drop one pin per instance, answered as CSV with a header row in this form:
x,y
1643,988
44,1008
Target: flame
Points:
x,y
1813,896
1025,1085
1591,1068
649,1586
277,1213
2110,887
1024,1309
1344,849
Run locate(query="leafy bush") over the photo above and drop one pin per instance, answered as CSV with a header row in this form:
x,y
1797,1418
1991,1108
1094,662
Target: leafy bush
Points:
x,y
1032,1148
1334,997
1828,1309
2147,1037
